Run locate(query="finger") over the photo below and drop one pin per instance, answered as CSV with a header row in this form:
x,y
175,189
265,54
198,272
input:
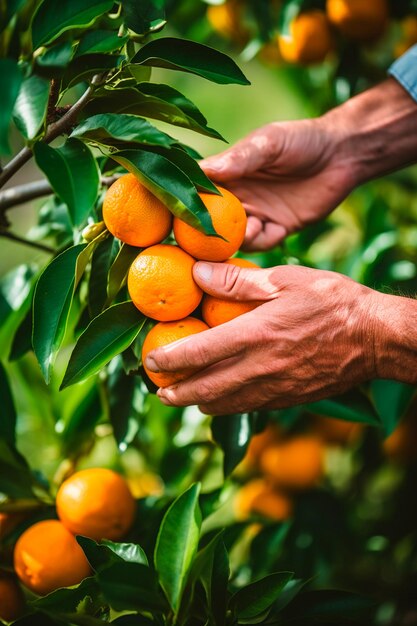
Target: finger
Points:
x,y
245,400
198,351
266,238
253,228
230,282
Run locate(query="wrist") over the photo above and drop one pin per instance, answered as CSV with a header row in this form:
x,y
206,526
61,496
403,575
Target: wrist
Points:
x,y
395,338
373,131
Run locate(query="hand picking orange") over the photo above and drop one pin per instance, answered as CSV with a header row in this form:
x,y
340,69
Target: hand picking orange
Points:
x,y
216,311
229,221
133,214
97,503
163,334
47,556
161,283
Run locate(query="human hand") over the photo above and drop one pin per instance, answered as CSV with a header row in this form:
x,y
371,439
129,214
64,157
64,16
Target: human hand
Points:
x,y
287,175
311,338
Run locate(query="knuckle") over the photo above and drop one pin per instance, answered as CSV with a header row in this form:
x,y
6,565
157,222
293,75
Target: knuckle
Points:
x,y
207,392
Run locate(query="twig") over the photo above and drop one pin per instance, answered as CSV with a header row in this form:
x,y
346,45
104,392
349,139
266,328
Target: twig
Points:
x,y
26,242
54,130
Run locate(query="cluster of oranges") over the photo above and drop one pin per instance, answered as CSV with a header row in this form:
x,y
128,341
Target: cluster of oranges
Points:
x,y
314,33
160,280
280,466
95,503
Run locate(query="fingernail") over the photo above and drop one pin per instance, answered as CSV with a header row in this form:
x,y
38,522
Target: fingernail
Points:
x,y
204,271
151,365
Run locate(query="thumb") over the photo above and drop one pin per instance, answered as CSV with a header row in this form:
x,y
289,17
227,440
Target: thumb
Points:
x,y
230,282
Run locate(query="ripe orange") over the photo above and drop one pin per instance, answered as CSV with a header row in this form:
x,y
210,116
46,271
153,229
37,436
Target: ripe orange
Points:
x,y
216,311
161,283
226,19
133,214
309,41
337,431
163,334
401,445
229,221
270,436
47,556
297,463
97,503
259,497
11,598
357,19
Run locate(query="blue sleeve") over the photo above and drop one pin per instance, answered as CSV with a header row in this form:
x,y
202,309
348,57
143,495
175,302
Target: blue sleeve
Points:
x,y
405,71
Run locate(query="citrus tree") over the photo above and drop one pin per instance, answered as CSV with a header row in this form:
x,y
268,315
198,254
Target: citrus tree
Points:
x,y
220,532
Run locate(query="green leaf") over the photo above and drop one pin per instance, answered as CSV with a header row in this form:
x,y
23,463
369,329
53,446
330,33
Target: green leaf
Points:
x,y
122,413
189,166
8,411
106,553
81,424
100,41
232,433
353,406
144,17
22,340
30,107
133,620
256,598
101,261
188,56
107,335
51,19
169,184
56,57
84,67
118,272
67,600
211,566
51,305
112,128
16,479
73,173
10,81
131,586
159,102
392,399
177,543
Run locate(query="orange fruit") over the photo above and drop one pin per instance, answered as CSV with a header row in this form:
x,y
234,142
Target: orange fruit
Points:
x,y
259,497
216,311
163,334
47,556
337,431
133,214
270,436
11,598
229,221
309,40
296,463
401,445
226,19
357,19
97,503
161,284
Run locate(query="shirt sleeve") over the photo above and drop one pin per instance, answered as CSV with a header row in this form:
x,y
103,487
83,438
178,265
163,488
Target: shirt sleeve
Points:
x,y
405,71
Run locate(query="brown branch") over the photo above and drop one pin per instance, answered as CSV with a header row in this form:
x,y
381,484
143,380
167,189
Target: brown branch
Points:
x,y
26,242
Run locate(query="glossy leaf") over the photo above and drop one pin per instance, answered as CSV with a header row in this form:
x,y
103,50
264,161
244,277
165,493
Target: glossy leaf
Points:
x,y
256,598
106,553
10,82
22,340
112,128
232,433
168,183
118,272
51,19
67,600
188,56
144,17
99,41
57,56
73,174
16,479
211,567
16,293
51,305
8,411
391,401
177,543
101,261
353,406
30,108
107,335
121,391
159,102
82,421
130,586
86,66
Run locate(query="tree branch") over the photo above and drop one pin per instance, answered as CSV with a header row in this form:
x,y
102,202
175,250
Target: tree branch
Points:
x,y
27,242
53,131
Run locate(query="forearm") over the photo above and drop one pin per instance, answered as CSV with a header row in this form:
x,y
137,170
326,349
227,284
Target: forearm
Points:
x,y
375,131
395,332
